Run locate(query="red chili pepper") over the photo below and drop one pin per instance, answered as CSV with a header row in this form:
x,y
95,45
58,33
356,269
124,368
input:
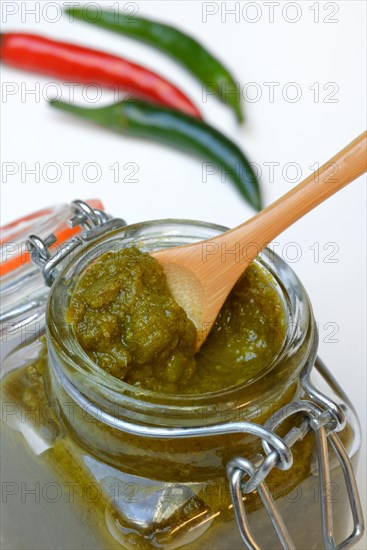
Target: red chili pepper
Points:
x,y
75,63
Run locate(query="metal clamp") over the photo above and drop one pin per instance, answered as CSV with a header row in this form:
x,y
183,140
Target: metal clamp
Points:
x,y
93,222
324,418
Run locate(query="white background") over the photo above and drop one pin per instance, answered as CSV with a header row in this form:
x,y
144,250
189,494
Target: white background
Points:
x,y
325,47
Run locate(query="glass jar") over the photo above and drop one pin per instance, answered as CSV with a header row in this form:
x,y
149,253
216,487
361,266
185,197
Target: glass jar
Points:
x,y
89,461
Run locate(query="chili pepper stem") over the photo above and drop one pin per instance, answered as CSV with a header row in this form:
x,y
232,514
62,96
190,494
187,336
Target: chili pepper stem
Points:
x,y
238,112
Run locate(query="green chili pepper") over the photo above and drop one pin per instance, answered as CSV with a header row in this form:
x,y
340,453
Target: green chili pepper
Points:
x,y
186,50
137,118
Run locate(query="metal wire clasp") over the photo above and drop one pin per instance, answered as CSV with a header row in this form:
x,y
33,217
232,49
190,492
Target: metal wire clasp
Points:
x,y
93,222
322,416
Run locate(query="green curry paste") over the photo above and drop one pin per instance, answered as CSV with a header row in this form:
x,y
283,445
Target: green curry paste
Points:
x,y
126,320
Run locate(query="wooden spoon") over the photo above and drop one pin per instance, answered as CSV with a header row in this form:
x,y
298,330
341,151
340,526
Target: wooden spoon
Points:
x,y
201,275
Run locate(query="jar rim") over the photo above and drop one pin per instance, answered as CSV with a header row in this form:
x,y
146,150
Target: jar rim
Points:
x,y
104,389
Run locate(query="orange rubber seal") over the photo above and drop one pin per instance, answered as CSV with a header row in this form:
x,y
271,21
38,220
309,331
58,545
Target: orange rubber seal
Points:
x,y
62,235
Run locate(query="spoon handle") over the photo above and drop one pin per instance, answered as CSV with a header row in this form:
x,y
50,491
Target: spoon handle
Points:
x,y
340,170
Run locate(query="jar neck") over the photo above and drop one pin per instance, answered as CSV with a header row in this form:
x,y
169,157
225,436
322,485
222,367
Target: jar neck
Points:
x,y
251,402
185,440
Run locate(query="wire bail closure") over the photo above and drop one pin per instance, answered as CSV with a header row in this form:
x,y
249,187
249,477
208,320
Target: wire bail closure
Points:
x,y
93,222
325,418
